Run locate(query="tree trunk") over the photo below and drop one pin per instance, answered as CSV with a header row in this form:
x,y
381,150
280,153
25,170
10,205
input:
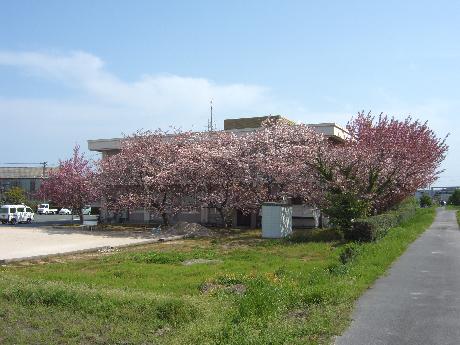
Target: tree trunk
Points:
x,y
80,213
164,216
222,216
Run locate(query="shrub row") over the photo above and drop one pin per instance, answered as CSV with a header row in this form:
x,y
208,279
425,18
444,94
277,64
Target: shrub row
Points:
x,y
375,227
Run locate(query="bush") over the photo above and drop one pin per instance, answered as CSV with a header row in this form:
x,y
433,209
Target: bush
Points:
x,y
426,201
15,195
406,210
374,228
344,208
349,252
454,199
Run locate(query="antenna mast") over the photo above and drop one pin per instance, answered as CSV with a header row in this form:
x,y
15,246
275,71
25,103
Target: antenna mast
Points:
x,y
211,126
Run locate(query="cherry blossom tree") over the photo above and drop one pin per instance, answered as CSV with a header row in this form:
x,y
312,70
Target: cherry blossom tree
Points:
x,y
240,171
146,174
215,172
281,159
71,185
383,161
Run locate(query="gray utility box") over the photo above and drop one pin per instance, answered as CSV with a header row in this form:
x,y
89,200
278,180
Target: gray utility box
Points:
x,y
276,220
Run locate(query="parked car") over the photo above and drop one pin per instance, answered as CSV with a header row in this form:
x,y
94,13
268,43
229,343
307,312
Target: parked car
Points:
x,y
16,214
46,209
65,211
86,210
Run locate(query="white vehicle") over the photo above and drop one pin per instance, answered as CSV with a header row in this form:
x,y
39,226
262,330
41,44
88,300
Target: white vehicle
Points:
x,y
86,210
65,211
16,214
45,209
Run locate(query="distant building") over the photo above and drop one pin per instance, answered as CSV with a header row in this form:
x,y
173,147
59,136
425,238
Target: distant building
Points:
x,y
28,178
438,193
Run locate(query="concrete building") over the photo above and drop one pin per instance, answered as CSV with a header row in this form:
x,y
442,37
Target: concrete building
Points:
x,y
437,193
303,216
27,178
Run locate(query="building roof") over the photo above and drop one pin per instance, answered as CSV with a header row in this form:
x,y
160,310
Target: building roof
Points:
x,y
105,144
330,130
250,122
239,126
22,172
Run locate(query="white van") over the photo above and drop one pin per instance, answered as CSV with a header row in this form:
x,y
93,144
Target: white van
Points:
x,y
16,214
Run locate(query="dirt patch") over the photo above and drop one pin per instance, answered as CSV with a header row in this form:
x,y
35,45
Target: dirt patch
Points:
x,y
107,250
162,331
242,244
201,261
299,314
208,288
189,230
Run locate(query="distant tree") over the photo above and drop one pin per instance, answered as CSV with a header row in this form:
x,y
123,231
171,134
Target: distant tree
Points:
x,y
71,185
454,199
425,200
15,195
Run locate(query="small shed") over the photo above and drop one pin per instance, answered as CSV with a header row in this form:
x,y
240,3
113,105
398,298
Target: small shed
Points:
x,y
276,220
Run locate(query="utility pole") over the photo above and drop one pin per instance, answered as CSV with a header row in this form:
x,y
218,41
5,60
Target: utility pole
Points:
x,y
44,168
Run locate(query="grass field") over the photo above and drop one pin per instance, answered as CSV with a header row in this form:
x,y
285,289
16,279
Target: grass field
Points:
x,y
245,290
457,211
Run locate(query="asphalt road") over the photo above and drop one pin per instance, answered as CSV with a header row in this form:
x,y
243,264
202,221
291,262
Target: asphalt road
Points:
x,y
418,302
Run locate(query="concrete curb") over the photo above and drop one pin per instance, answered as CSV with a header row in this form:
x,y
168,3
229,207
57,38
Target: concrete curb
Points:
x,y
90,250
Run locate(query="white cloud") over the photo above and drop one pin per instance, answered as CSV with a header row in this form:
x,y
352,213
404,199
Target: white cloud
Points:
x,y
101,105
180,99
74,68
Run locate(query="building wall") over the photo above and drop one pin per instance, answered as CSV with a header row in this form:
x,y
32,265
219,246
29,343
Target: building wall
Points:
x,y
29,185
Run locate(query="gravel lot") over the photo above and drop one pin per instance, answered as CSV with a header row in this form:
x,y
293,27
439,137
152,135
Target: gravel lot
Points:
x,y
21,242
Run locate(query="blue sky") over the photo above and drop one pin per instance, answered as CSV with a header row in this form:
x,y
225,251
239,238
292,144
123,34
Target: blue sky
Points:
x,y
77,70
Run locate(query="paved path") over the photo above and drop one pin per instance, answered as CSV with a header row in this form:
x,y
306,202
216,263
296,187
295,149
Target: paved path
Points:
x,y
418,302
18,242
